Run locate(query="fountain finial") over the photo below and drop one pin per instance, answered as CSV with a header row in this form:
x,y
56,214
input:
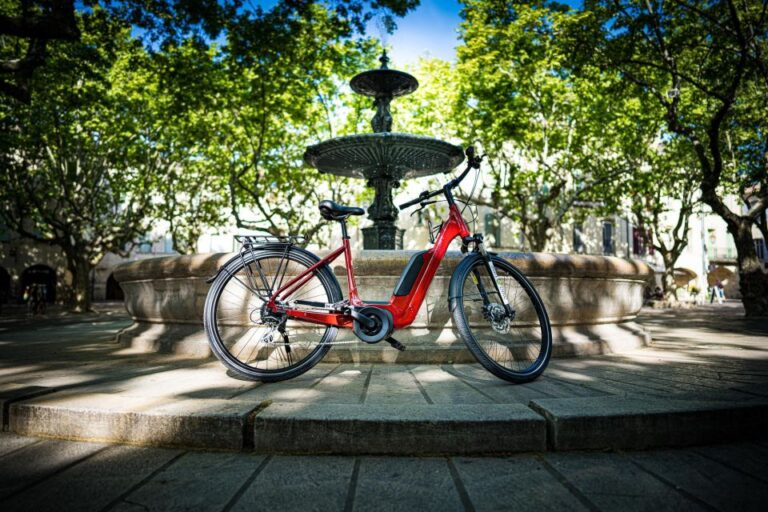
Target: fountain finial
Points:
x,y
383,85
384,59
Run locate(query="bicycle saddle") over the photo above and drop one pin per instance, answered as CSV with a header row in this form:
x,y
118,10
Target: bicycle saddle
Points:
x,y
333,211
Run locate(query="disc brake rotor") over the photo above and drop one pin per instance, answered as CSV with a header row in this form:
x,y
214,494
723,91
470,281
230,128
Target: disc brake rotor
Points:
x,y
497,316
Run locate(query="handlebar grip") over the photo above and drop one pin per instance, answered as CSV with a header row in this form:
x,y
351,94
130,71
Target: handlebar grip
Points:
x,y
410,203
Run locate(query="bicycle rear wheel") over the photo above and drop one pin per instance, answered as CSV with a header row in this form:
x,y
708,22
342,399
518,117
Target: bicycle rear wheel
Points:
x,y
516,348
252,341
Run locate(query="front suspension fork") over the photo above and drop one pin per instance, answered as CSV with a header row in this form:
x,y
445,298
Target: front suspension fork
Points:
x,y
488,260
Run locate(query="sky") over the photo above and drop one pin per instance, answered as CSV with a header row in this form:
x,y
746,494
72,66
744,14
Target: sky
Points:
x,y
429,30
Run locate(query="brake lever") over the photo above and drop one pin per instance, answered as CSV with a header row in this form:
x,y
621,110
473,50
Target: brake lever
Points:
x,y
423,205
475,161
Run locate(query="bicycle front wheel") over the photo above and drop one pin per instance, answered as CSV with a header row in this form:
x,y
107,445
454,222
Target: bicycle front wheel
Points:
x,y
515,347
248,338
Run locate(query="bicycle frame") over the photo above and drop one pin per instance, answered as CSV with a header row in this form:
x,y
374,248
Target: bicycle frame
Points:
x,y
404,308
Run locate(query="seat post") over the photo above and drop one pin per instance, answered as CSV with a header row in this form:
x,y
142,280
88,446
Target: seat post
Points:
x,y
344,234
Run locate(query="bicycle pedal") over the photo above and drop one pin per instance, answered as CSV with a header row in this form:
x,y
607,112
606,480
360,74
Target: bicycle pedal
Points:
x,y
396,344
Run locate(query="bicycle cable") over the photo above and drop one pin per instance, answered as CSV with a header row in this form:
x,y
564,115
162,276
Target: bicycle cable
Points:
x,y
474,212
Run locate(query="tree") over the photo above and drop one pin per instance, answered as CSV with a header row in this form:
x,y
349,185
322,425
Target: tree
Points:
x,y
188,191
555,137
705,64
662,195
76,171
279,97
32,24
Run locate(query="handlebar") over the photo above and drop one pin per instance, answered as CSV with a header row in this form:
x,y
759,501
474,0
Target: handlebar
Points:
x,y
422,197
473,162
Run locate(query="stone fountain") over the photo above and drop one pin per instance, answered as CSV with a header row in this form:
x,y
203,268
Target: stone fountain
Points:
x,y
383,158
592,300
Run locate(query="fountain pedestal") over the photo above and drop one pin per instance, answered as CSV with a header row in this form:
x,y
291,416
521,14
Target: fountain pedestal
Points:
x,y
383,236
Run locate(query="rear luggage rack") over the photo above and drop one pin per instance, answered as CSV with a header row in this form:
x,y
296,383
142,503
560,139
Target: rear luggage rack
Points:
x,y
248,241
259,282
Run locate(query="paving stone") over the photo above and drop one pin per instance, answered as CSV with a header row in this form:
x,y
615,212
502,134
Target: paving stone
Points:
x,y
499,390
196,481
393,384
636,423
708,481
582,379
444,388
344,385
412,429
298,389
9,443
513,483
612,482
205,423
94,483
747,458
405,484
299,483
190,382
666,382
34,463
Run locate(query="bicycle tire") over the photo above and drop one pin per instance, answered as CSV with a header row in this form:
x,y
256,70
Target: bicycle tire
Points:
x,y
488,339
217,323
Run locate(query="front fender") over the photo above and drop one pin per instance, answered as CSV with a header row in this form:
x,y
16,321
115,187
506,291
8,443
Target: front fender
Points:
x,y
454,287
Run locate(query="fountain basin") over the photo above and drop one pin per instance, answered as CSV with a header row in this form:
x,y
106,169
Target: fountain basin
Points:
x,y
393,155
591,300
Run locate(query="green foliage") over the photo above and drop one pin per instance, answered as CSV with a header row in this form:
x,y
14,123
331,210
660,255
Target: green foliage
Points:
x,y
117,137
270,106
557,138
171,117
76,171
705,65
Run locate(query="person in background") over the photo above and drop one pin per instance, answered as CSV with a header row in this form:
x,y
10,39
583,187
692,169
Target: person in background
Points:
x,y
717,292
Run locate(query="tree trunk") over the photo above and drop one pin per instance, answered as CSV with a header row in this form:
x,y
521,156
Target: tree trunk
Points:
x,y
539,236
753,279
81,283
668,285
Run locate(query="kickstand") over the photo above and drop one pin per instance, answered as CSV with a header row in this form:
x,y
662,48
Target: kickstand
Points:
x,y
396,344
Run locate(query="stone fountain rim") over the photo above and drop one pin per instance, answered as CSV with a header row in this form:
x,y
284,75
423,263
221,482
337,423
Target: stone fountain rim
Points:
x,y
386,263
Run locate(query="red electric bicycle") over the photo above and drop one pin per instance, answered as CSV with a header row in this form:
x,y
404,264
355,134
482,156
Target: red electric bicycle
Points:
x,y
273,311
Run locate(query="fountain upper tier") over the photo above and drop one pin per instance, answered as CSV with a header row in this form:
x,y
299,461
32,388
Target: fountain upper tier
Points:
x,y
386,154
383,158
384,82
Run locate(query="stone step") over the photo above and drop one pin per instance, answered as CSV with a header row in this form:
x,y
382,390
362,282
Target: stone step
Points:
x,y
632,423
102,417
398,429
560,424
438,346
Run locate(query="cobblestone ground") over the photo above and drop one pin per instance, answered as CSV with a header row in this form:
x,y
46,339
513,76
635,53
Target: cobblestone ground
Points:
x,y
40,474
710,350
